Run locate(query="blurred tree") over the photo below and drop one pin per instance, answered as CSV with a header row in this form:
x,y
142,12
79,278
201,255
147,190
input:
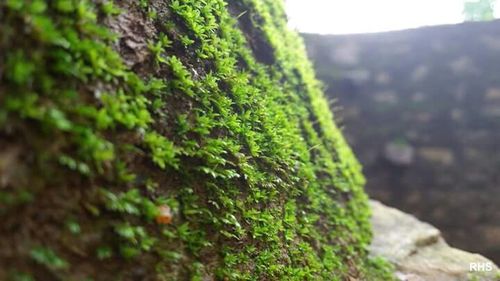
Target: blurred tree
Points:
x,y
479,10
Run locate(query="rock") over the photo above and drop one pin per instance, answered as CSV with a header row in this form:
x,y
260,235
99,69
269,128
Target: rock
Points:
x,y
463,66
493,94
439,155
419,253
358,76
399,153
10,169
383,78
491,111
347,54
419,73
491,42
387,97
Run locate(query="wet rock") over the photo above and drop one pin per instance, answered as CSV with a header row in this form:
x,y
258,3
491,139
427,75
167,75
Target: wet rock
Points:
x,y
419,252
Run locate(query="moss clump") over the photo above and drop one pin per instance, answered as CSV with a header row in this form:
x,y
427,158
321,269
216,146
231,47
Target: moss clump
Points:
x,y
109,110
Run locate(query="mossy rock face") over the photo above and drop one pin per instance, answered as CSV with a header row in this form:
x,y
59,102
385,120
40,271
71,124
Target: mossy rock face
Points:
x,y
170,140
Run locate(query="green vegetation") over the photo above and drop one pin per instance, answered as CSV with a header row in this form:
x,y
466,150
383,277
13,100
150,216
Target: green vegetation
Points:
x,y
208,107
479,10
47,257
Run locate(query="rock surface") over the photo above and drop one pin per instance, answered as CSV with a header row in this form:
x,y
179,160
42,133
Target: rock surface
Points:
x,y
418,251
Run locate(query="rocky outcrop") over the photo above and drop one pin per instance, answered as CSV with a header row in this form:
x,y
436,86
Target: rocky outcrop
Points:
x,y
420,253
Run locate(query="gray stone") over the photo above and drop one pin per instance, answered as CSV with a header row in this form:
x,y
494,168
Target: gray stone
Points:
x,y
399,153
383,78
463,66
439,155
493,94
419,252
420,73
388,97
347,54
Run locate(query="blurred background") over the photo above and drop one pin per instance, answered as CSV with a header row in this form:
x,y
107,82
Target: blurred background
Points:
x,y
416,86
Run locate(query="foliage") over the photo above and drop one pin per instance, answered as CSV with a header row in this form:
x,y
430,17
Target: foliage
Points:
x,y
240,145
479,10
47,257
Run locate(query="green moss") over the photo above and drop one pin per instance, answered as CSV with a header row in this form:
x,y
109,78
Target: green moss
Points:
x,y
47,257
223,122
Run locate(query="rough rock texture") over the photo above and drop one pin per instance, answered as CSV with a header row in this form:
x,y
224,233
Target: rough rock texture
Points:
x,y
170,140
419,252
421,109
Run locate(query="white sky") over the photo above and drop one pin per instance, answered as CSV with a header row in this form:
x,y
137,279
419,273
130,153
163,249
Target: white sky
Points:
x,y
361,16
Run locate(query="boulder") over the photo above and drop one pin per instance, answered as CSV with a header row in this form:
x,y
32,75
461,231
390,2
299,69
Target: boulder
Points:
x,y
419,252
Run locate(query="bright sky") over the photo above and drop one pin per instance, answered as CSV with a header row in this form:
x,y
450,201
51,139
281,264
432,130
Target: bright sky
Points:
x,y
361,16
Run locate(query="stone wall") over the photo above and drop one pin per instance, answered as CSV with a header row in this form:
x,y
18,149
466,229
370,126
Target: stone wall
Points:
x,y
422,110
